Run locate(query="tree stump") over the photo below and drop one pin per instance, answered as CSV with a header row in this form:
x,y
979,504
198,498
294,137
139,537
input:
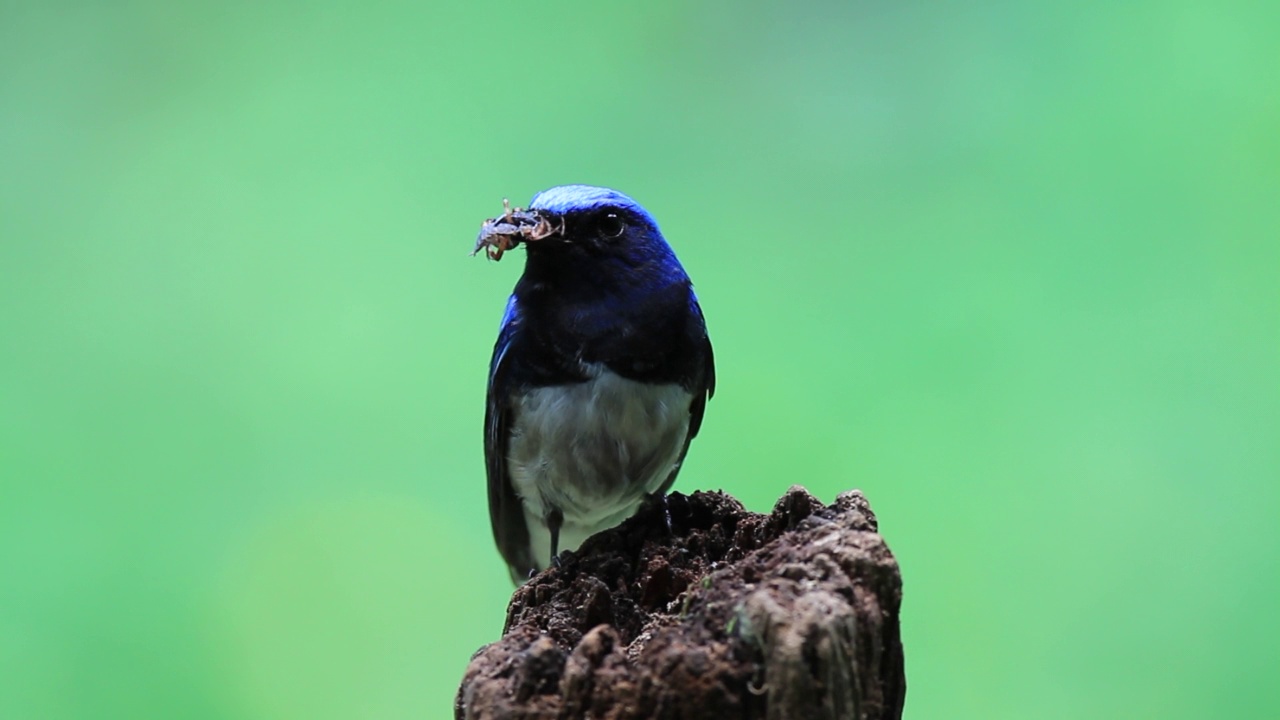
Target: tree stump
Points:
x,y
715,613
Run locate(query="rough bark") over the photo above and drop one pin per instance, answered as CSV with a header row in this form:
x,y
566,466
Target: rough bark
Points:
x,y
723,614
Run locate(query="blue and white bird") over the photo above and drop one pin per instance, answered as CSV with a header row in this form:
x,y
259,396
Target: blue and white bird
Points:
x,y
600,375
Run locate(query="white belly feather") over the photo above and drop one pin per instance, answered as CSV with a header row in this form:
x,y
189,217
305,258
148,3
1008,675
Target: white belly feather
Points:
x,y
593,450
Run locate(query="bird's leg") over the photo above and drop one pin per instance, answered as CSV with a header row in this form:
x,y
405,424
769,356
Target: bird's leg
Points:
x,y
555,519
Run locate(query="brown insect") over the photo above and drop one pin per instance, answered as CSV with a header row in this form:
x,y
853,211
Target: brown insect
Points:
x,y
500,234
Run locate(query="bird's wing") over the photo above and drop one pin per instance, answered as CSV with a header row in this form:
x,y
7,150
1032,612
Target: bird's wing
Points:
x,y
704,390
704,386
506,512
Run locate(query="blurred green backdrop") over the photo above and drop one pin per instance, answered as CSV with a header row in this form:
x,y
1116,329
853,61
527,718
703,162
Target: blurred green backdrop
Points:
x,y
1011,270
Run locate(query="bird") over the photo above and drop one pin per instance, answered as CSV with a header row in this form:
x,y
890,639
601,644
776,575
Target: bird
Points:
x,y
599,378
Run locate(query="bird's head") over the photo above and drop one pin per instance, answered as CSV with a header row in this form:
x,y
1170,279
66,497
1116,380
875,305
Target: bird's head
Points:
x,y
585,234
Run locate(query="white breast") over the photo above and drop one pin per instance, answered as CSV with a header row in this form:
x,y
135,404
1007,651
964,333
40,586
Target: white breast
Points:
x,y
593,450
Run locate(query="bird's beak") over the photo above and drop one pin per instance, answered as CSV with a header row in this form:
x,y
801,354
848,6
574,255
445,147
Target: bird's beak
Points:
x,y
500,234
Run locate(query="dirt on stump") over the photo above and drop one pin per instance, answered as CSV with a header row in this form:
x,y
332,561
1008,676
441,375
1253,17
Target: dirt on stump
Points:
x,y
723,613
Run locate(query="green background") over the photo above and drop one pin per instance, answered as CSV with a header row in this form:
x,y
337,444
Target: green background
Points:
x,y
1012,270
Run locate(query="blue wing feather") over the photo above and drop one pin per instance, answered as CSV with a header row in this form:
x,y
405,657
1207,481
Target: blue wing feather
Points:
x,y
703,386
506,512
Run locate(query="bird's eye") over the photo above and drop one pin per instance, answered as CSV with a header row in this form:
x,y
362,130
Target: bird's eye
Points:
x,y
611,225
